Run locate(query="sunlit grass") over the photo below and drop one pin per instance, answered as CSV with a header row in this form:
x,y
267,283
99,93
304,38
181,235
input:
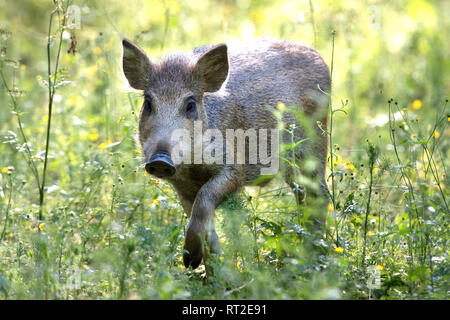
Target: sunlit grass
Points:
x,y
109,230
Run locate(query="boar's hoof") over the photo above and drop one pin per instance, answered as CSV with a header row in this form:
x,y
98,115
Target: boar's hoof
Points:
x,y
193,250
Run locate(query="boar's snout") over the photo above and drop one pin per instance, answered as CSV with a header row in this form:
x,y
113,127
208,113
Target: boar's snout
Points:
x,y
160,165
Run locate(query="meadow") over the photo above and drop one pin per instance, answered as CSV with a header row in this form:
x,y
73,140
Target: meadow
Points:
x,y
80,218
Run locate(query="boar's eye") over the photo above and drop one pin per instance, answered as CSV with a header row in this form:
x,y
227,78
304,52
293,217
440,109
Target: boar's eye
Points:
x,y
147,106
191,108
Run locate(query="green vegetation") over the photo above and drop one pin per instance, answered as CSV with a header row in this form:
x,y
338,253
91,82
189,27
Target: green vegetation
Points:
x,y
79,218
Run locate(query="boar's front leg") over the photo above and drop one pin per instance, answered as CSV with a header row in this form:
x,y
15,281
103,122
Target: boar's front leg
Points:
x,y
200,229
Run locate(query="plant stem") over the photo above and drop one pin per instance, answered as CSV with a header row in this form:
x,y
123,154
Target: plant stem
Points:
x,y
371,165
51,94
29,156
333,186
8,207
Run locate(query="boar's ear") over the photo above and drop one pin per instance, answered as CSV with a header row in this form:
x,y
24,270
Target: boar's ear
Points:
x,y
212,67
136,65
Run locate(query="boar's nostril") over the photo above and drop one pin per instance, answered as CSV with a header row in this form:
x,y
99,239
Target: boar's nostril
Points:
x,y
160,165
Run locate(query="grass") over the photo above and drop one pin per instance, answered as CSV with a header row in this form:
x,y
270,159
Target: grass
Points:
x,y
79,218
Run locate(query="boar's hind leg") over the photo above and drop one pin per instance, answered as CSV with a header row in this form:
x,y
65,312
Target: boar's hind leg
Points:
x,y
200,228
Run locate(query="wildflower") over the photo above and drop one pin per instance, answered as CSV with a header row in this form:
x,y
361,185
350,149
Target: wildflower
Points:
x,y
10,235
137,153
105,144
339,249
119,120
117,138
370,233
375,170
41,226
281,106
166,190
330,207
85,267
380,267
154,182
5,170
154,203
97,50
404,126
436,134
416,105
93,136
350,166
90,72
74,100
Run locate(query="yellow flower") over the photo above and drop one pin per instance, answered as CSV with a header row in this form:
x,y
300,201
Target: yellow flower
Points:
x,y
41,226
436,134
154,182
281,106
105,144
375,170
10,235
370,233
93,136
380,267
350,166
90,71
339,249
416,105
117,138
330,207
166,190
74,100
85,267
119,120
97,50
5,170
155,202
